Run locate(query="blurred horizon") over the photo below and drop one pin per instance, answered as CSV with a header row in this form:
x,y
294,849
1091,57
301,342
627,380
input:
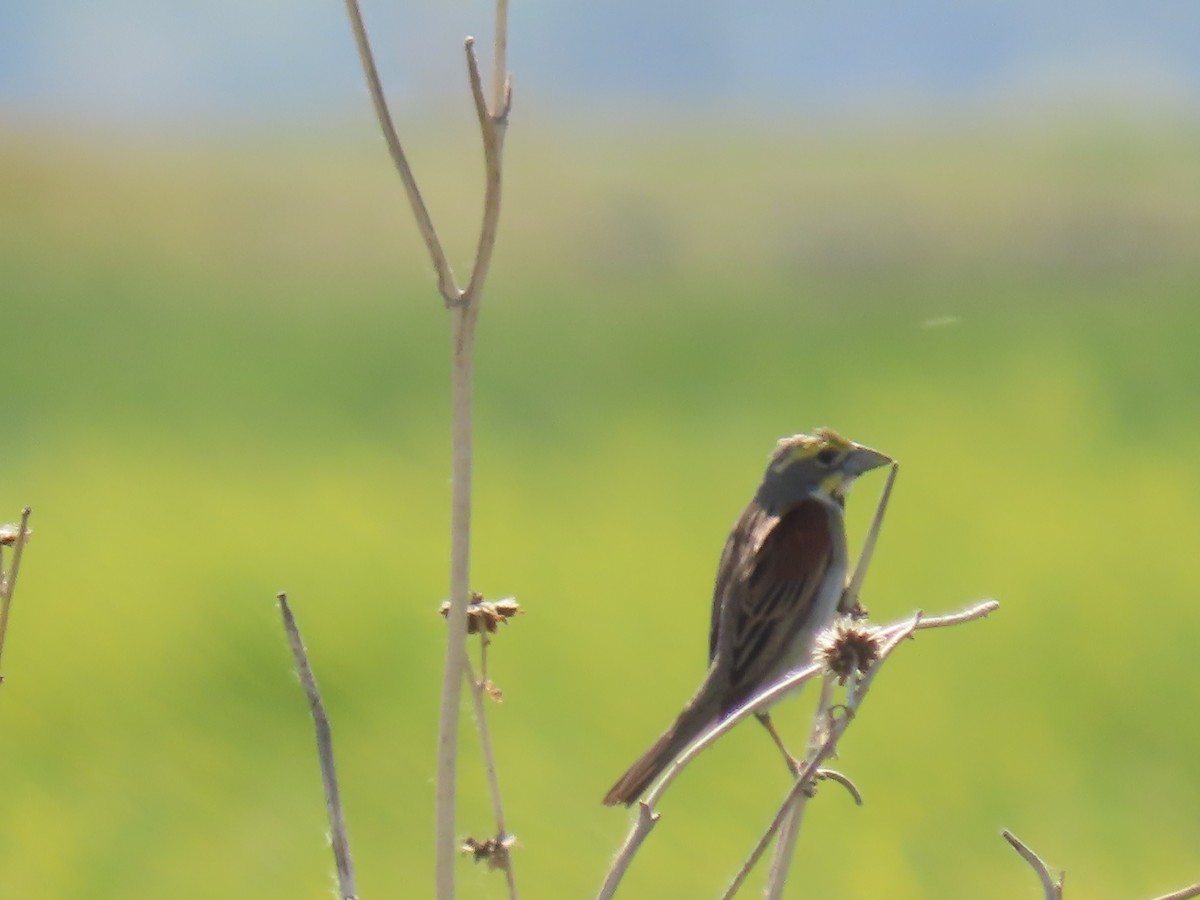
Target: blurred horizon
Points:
x,y
139,65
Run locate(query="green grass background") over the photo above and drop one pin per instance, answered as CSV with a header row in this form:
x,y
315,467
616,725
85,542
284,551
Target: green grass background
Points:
x,y
225,373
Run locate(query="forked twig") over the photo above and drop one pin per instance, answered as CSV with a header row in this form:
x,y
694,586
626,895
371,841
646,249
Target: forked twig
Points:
x,y
647,816
333,800
1052,889
492,125
465,307
446,284
8,580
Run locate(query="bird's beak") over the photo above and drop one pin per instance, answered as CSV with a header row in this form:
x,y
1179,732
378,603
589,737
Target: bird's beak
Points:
x,y
863,459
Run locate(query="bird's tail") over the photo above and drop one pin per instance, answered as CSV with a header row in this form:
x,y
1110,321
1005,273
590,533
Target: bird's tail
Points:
x,y
691,722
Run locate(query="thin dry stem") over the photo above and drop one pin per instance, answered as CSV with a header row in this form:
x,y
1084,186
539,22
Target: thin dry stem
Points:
x,y
465,306
786,809
789,831
763,698
333,801
445,275
648,817
484,643
1182,893
835,726
460,555
501,82
492,124
844,781
970,614
854,588
788,825
8,580
1051,889
791,813
646,820
477,689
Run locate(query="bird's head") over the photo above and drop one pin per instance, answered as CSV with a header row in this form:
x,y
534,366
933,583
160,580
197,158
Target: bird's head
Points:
x,y
823,464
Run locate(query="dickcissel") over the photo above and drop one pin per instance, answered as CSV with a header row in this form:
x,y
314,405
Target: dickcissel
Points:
x,y
780,581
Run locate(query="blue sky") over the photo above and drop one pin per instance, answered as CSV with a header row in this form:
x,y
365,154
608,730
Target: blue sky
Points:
x,y
140,61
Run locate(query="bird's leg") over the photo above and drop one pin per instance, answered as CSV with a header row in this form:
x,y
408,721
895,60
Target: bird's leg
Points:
x,y
794,765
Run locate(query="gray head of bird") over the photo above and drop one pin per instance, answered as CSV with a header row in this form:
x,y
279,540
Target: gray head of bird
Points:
x,y
821,465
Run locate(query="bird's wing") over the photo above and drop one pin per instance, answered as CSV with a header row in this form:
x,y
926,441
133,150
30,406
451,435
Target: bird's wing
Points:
x,y
751,528
770,596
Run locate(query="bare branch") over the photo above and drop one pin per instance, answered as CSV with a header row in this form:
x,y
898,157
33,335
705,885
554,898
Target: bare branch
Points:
x,y
787,827
854,588
791,813
786,809
763,698
492,126
970,614
465,307
460,590
1052,890
648,817
8,580
477,689
447,286
844,781
501,81
333,800
646,820
1182,893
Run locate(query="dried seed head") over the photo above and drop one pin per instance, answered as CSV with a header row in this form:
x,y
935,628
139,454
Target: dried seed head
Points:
x,y
493,851
485,615
848,646
493,693
11,533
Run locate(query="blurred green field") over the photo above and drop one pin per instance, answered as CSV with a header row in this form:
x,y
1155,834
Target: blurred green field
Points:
x,y
226,375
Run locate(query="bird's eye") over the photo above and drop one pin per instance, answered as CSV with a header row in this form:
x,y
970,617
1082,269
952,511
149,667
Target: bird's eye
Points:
x,y
827,457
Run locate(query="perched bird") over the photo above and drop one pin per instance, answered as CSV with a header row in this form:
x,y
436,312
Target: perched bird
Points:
x,y
779,583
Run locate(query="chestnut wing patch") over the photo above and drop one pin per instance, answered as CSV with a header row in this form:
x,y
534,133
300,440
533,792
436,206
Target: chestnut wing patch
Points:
x,y
776,601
